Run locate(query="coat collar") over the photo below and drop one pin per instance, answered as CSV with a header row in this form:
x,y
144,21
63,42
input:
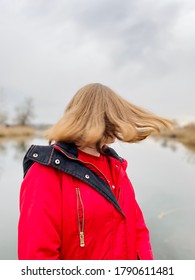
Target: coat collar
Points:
x,y
64,157
71,150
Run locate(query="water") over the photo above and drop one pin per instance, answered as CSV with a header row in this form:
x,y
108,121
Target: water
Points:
x,y
164,180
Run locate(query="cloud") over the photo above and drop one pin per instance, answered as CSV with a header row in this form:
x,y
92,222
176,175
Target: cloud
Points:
x,y
51,48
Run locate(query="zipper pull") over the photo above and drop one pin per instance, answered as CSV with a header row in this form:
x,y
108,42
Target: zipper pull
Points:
x,y
82,242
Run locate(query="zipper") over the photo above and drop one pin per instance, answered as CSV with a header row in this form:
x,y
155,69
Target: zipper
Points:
x,y
81,217
119,192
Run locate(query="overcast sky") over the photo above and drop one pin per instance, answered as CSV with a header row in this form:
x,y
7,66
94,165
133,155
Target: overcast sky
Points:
x,y
143,49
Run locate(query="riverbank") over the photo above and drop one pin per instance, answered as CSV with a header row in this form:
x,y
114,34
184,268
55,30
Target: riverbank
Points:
x,y
13,131
183,134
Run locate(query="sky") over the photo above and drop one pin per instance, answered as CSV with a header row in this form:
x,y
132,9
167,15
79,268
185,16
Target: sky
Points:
x,y
142,49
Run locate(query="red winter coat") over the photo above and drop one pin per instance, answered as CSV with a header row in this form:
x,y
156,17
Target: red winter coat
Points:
x,y
64,217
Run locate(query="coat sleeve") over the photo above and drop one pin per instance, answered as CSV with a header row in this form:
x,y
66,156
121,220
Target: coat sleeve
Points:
x,y
39,227
144,249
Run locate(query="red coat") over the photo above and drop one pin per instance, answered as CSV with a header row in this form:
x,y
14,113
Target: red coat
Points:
x,y
63,217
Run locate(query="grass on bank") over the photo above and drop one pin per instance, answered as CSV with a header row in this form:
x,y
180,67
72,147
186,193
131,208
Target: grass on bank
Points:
x,y
183,134
16,131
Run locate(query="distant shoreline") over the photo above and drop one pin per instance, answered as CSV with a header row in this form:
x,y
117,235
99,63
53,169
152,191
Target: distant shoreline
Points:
x,y
184,134
13,131
16,130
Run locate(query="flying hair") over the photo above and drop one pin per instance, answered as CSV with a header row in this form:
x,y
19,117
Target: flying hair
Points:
x,y
97,115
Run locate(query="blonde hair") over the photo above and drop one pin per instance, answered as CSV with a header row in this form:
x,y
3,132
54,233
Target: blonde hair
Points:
x,y
97,115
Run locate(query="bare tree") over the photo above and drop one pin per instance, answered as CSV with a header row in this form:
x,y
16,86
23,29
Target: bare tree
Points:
x,y
25,112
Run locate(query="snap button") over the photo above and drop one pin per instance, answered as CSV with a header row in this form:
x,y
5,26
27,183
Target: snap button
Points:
x,y
113,186
57,161
35,155
87,176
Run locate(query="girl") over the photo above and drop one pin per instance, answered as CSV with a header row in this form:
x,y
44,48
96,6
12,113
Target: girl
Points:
x,y
76,200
